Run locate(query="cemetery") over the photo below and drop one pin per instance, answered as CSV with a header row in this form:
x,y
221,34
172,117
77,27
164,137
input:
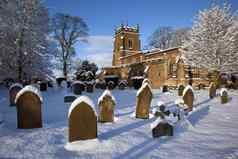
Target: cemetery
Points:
x,y
72,88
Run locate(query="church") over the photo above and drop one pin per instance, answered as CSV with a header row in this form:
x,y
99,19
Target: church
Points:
x,y
161,67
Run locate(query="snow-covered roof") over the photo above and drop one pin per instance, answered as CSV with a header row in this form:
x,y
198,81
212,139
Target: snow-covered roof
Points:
x,y
187,88
16,85
29,88
106,93
142,88
223,90
79,100
137,77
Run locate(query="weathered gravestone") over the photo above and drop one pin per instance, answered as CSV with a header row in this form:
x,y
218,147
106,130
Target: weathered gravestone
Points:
x,y
180,90
90,86
161,110
165,88
28,102
143,101
146,80
78,87
43,86
82,120
212,90
161,127
188,97
224,96
13,90
122,84
106,105
111,85
69,98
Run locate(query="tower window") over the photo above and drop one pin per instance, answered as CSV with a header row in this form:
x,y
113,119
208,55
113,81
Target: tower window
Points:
x,y
130,43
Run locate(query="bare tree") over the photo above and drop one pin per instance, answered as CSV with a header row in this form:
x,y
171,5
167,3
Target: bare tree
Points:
x,y
68,30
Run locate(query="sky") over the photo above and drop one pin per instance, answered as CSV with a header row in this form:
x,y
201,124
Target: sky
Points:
x,y
102,16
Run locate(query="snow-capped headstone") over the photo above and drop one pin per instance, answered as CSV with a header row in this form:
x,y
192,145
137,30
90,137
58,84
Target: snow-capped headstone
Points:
x,y
28,101
212,90
188,97
161,127
111,85
224,96
143,101
82,120
180,90
43,86
78,87
13,90
68,98
106,103
90,86
146,80
122,84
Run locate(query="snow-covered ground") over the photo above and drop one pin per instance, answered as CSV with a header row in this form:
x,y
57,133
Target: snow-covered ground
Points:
x,y
211,133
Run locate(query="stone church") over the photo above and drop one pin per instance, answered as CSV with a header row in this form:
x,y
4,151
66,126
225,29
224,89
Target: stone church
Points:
x,y
161,67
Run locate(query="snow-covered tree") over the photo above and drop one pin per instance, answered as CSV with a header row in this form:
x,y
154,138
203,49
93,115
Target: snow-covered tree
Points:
x,y
68,30
212,43
168,37
24,41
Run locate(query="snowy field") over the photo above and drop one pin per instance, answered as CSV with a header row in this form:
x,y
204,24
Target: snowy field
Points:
x,y
212,133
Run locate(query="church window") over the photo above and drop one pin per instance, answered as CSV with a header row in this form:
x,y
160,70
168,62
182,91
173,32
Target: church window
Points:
x,y
130,43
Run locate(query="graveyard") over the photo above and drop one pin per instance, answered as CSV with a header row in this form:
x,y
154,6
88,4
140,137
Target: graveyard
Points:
x,y
210,131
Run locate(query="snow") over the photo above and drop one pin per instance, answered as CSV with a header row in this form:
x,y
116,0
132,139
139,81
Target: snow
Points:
x,y
106,93
16,85
187,88
223,90
142,88
210,132
78,82
146,69
29,88
137,77
79,100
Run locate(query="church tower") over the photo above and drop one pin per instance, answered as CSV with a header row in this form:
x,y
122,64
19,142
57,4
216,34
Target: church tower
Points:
x,y
126,42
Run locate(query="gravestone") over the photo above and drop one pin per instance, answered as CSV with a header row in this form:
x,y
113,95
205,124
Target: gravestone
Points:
x,y
106,105
180,90
43,86
212,90
89,87
28,101
82,120
143,101
122,84
146,80
165,88
224,96
111,85
162,128
78,87
13,90
188,97
69,98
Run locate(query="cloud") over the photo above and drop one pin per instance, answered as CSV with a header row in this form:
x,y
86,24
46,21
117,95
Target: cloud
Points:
x,y
99,50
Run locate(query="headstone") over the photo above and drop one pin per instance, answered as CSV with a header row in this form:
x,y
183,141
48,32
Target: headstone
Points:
x,y
69,98
146,80
201,86
97,84
90,87
82,120
143,101
28,102
137,81
165,88
212,90
188,97
162,128
106,105
180,90
78,87
224,96
103,85
43,86
111,85
13,90
122,84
